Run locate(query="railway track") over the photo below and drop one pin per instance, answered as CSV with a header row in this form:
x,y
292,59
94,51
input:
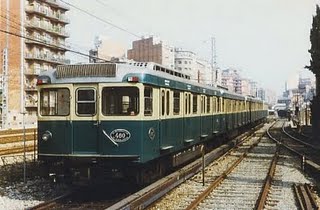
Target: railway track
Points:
x,y
300,147
11,136
282,191
16,150
247,177
305,197
179,190
51,203
11,141
135,200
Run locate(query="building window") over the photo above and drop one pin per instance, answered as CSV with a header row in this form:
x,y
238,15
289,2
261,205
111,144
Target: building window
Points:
x,y
185,62
179,62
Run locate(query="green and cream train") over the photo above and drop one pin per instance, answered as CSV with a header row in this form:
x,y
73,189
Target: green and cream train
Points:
x,y
132,120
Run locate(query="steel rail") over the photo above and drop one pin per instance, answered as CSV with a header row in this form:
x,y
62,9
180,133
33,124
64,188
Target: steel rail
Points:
x,y
51,203
152,193
11,138
267,183
222,177
298,140
15,150
304,196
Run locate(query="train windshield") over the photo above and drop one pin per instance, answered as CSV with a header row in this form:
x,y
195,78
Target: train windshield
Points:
x,y
119,101
55,102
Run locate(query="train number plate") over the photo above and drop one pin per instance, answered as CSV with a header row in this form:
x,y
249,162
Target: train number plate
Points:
x,y
120,135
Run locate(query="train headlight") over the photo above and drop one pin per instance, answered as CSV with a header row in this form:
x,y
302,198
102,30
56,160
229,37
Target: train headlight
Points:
x,y
46,136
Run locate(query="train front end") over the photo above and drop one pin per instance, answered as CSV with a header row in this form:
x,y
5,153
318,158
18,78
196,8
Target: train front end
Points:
x,y
92,125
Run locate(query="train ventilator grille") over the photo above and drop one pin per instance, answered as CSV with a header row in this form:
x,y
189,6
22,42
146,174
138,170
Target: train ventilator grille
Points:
x,y
86,70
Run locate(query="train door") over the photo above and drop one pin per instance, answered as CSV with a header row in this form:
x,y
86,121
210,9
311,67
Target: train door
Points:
x,y
85,119
164,105
187,120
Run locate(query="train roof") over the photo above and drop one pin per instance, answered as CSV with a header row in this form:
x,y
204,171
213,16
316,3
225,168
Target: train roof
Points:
x,y
148,73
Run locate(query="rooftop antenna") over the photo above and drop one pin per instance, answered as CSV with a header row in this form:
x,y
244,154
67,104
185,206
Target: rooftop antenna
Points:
x,y
97,42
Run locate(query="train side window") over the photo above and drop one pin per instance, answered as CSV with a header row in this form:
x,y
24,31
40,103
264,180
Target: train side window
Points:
x,y
118,101
222,105
162,102
218,104
168,102
176,102
208,104
55,102
86,101
202,104
189,103
195,104
148,101
186,103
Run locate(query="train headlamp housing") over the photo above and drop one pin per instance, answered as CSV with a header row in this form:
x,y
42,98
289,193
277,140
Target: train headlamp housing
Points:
x,y
42,80
47,135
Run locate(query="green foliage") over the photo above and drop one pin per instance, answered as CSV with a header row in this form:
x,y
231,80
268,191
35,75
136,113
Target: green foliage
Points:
x,y
315,44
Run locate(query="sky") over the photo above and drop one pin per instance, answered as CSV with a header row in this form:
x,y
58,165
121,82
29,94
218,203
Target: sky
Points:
x,y
268,40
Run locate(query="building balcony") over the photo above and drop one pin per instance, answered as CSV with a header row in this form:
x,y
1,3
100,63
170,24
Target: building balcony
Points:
x,y
57,4
50,44
48,14
41,26
33,71
30,88
46,58
30,105
31,100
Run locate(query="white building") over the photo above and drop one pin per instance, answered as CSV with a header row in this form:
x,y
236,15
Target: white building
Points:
x,y
230,78
188,63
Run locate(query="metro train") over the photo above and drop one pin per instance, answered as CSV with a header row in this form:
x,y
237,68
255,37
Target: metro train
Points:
x,y
132,120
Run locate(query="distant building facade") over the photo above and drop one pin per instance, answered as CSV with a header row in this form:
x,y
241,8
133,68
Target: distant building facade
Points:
x,y
42,47
230,78
198,69
152,49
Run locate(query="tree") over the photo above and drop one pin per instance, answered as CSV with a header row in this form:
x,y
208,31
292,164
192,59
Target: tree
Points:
x,y
315,68
315,49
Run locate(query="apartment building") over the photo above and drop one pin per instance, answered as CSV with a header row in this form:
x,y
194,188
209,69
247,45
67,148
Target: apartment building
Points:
x,y
152,49
198,69
35,43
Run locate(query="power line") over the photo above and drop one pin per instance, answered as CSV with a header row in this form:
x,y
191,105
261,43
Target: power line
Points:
x,y
17,26
70,50
102,20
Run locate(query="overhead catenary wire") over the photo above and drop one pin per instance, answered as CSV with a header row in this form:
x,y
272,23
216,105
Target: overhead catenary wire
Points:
x,y
17,25
102,20
70,50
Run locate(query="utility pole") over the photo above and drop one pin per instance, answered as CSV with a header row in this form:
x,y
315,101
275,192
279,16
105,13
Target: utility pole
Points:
x,y
214,72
